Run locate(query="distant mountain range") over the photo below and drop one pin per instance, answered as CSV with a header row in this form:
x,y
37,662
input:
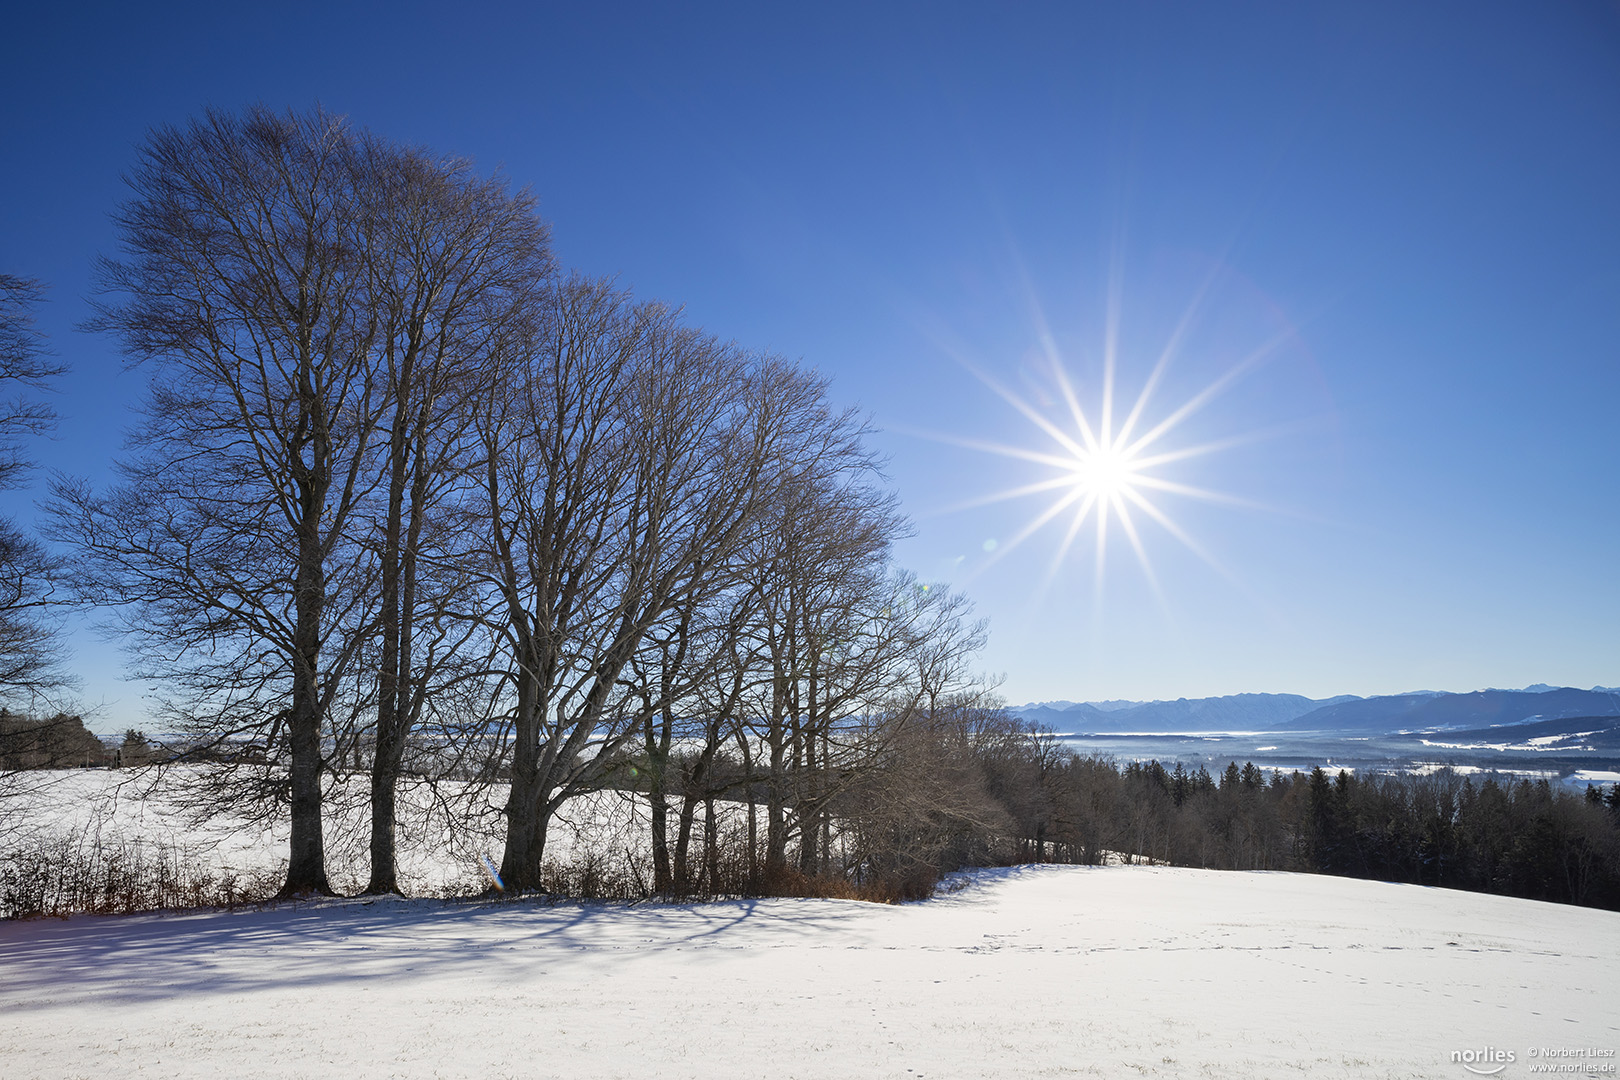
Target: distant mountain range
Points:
x,y
1420,710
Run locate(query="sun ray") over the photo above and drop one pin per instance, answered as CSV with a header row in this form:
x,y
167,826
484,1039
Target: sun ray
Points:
x,y
1247,438
1026,532
1168,353
1022,453
1080,516
1112,463
1179,533
1113,316
1102,541
1106,419
1160,484
1129,526
1029,411
1075,410
1002,496
1210,392
1197,549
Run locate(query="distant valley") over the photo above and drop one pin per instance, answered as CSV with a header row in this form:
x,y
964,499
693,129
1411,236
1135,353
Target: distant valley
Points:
x,y
1559,733
1421,710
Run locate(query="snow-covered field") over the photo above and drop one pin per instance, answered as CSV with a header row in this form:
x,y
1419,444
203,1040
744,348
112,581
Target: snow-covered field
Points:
x,y
1040,971
113,809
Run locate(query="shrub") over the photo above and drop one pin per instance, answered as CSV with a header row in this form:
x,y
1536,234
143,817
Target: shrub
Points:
x,y
65,873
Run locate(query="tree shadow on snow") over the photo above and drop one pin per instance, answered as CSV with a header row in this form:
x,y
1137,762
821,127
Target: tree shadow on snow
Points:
x,y
160,956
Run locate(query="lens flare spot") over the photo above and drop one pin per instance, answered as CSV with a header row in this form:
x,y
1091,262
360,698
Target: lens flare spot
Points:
x,y
491,872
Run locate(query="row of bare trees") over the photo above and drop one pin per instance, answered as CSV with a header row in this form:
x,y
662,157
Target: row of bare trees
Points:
x,y
829,692
404,496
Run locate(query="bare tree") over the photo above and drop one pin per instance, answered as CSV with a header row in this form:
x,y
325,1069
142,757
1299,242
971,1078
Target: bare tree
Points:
x,y
30,650
228,544
855,672
30,646
24,363
31,672
827,633
682,738
923,806
715,650
453,265
624,466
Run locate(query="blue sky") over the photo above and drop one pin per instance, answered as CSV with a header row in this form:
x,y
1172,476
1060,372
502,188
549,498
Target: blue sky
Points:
x,y
1412,205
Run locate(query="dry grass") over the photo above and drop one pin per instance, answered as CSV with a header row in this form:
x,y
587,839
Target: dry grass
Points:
x,y
81,871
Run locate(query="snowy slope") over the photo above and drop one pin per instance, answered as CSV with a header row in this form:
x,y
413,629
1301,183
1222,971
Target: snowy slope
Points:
x,y
1046,971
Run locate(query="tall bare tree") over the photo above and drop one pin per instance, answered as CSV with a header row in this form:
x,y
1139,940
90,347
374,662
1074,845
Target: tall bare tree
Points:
x,y
625,466
826,630
715,651
454,266
228,543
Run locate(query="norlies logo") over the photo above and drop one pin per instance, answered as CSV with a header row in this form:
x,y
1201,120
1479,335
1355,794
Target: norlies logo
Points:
x,y
1486,1061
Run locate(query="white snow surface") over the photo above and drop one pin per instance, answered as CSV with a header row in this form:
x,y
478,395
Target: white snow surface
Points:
x,y
1035,971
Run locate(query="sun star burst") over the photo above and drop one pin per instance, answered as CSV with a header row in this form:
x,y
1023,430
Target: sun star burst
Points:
x,y
1103,472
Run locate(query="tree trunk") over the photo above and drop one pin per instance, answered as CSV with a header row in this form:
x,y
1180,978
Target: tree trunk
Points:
x,y
683,844
407,447
306,863
535,857
390,743
657,740
523,800
697,784
808,787
775,815
711,847
384,871
753,809
663,878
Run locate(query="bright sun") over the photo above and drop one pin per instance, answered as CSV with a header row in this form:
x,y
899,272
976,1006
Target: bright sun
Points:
x,y
1105,469
1105,473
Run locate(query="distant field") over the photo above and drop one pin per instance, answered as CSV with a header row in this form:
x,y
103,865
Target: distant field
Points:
x,y
116,809
1031,972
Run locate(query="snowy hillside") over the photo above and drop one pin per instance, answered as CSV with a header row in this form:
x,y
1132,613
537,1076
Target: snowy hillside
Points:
x,y
1041,971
